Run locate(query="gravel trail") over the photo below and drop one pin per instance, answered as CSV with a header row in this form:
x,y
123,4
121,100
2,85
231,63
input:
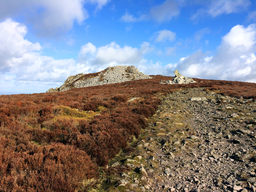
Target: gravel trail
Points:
x,y
198,140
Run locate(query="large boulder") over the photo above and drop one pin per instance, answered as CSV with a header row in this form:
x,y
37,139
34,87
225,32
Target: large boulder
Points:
x,y
110,75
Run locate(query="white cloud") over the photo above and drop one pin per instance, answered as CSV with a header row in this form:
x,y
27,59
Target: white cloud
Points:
x,y
87,49
128,18
165,35
24,69
241,38
152,68
160,13
235,58
36,67
58,16
18,87
98,58
13,44
49,17
165,11
219,7
100,3
216,8
21,60
113,54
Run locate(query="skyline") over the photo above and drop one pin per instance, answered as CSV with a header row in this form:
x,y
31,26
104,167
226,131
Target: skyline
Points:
x,y
43,42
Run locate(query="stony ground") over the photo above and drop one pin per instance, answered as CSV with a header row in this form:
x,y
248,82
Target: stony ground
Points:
x,y
117,74
197,141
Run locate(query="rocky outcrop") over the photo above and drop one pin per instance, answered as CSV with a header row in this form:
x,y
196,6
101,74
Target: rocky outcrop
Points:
x,y
110,75
179,79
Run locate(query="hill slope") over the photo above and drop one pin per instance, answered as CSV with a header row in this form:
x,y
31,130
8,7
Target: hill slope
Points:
x,y
58,141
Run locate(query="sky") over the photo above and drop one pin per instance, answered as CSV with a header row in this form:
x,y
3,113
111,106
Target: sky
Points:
x,y
42,42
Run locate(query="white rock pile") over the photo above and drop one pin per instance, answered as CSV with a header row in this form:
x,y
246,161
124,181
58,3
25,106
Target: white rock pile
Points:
x,y
117,74
179,79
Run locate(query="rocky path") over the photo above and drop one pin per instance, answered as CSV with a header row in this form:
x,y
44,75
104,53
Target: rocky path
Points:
x,y
197,141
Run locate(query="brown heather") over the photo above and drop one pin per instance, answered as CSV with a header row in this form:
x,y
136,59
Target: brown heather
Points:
x,y
57,141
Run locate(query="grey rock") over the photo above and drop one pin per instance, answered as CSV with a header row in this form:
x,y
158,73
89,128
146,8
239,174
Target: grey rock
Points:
x,y
52,90
134,185
198,99
237,188
234,115
167,171
180,79
143,171
123,182
116,164
165,82
213,151
110,75
252,180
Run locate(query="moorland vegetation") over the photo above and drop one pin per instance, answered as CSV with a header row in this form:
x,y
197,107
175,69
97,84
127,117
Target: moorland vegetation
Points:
x,y
57,141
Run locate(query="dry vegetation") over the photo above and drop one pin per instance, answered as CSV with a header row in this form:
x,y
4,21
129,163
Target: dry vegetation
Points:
x,y
56,141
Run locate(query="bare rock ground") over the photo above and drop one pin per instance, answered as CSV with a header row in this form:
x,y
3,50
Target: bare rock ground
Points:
x,y
198,140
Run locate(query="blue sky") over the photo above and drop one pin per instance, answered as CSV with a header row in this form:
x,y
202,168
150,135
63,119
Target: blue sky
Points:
x,y
43,42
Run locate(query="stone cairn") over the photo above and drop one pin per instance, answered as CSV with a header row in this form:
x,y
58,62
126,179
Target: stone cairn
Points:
x,y
179,79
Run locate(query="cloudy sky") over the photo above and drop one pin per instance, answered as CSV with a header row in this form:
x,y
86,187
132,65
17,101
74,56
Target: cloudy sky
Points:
x,y
42,42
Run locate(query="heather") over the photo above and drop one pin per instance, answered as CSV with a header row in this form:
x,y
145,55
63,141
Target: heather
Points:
x,y
57,141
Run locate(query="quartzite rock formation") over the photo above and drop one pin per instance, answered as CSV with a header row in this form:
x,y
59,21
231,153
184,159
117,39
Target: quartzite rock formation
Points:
x,y
110,75
179,79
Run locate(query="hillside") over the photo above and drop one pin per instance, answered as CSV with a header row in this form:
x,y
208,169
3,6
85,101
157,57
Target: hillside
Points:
x,y
110,75
91,138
